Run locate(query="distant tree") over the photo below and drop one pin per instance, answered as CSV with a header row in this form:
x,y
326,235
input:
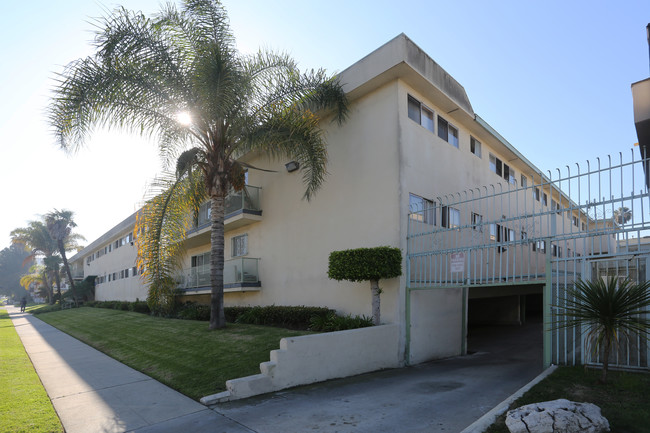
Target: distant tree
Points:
x,y
11,269
622,215
608,310
35,280
38,241
179,76
366,264
36,238
60,224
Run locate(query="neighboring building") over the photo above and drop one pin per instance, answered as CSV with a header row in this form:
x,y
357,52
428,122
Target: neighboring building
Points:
x,y
411,137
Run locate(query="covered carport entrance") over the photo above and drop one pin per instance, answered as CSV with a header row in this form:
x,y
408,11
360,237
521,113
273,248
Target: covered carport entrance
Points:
x,y
514,253
505,318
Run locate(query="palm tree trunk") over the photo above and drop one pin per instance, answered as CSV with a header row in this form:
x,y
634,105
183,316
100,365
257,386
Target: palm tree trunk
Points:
x,y
58,287
217,317
67,269
608,344
48,288
376,307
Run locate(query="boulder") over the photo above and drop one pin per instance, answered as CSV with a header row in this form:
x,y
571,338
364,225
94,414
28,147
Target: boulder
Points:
x,y
557,416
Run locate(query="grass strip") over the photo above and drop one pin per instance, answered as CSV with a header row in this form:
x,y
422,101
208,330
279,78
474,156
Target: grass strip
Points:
x,y
623,400
24,404
182,354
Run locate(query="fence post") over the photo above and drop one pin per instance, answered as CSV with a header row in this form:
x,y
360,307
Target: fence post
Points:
x,y
548,287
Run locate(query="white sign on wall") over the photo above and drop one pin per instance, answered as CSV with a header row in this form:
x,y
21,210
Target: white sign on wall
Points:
x,y
458,262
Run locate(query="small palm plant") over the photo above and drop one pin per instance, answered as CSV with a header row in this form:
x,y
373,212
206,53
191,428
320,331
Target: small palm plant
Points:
x,y
608,309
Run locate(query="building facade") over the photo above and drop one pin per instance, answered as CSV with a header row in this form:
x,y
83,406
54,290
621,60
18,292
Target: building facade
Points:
x,y
411,137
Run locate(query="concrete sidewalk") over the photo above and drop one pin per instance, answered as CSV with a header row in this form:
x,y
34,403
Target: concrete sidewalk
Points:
x,y
92,392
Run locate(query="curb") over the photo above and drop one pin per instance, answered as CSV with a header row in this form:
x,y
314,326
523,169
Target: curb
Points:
x,y
481,424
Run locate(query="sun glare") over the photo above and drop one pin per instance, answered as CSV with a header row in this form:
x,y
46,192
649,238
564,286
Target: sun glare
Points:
x,y
184,118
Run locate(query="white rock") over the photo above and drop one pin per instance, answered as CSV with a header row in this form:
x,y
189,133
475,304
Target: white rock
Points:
x,y
557,416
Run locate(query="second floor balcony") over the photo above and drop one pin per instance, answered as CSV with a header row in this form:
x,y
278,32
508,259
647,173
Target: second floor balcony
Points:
x,y
242,208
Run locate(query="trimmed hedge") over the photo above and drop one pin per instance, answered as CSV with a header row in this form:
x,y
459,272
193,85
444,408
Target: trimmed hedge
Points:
x,y
365,264
286,317
318,319
137,306
334,322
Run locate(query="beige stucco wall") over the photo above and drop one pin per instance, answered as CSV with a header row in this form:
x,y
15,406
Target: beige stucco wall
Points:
x,y
357,206
124,257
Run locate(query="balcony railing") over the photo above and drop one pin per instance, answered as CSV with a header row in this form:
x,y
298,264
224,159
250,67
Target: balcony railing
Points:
x,y
241,272
245,201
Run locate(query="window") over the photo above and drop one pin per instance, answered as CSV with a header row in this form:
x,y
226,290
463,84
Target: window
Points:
x,y
545,199
477,221
524,235
502,169
556,251
524,181
414,109
200,260
475,146
536,193
419,113
583,226
499,233
509,174
427,118
134,271
447,132
422,209
539,246
240,245
554,206
453,136
450,217
576,221
203,216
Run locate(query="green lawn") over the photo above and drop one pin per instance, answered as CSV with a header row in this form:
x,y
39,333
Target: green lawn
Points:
x,y
24,404
623,400
182,354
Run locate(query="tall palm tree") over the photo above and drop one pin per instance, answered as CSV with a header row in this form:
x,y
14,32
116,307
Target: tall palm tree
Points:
x,y
36,279
36,238
60,224
608,310
622,215
178,76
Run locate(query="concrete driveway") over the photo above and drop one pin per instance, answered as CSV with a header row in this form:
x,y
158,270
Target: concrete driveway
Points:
x,y
441,396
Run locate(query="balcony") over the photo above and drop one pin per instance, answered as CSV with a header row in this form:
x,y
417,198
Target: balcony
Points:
x,y
239,275
242,208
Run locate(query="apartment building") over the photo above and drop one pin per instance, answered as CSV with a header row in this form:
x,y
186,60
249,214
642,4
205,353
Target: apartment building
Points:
x,y
412,139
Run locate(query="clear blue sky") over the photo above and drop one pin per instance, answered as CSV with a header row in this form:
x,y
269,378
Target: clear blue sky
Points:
x,y
552,77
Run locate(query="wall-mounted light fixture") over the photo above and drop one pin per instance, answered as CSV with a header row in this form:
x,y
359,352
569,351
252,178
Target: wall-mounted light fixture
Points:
x,y
292,166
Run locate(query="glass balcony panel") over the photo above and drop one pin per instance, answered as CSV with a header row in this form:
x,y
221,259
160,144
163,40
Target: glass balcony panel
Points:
x,y
236,271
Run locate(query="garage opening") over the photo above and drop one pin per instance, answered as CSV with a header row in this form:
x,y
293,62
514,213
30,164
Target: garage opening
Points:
x,y
507,321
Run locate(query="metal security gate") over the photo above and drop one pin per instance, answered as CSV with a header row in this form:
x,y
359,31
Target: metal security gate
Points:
x,y
589,222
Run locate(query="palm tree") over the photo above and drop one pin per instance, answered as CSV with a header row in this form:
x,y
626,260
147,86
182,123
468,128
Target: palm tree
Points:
x,y
60,224
36,238
178,76
622,215
36,279
608,310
